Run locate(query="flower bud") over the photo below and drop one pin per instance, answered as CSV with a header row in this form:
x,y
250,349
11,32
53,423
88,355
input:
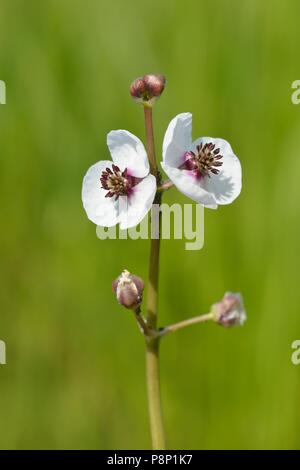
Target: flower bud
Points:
x,y
155,84
230,310
129,290
147,89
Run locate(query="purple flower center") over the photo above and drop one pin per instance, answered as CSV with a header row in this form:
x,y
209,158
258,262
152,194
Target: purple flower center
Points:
x,y
116,182
205,161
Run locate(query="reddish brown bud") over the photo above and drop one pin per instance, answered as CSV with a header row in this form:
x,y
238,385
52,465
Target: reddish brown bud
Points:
x,y
230,310
129,290
138,88
155,84
147,89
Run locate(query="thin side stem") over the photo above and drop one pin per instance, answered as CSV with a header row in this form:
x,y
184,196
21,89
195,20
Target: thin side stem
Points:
x,y
182,324
165,186
146,331
152,345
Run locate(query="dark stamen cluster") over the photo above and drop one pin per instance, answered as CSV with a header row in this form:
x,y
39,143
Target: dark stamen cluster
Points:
x,y
207,159
116,182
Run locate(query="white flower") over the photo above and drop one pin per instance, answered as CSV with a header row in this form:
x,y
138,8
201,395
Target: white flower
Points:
x,y
205,170
119,191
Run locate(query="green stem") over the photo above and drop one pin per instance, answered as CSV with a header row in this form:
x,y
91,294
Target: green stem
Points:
x,y
152,345
150,140
182,324
153,388
152,303
146,331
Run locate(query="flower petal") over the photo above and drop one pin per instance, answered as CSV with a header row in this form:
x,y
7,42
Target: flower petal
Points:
x,y
136,206
100,210
227,184
128,151
177,140
186,182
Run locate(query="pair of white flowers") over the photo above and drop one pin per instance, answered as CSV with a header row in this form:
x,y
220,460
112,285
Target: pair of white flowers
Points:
x,y
122,190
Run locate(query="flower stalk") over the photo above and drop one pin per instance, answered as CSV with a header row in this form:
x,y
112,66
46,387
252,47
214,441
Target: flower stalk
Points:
x,y
143,326
165,186
183,324
150,140
154,395
152,345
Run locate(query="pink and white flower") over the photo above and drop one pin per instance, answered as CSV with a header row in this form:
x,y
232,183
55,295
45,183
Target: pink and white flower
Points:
x,y
119,191
206,170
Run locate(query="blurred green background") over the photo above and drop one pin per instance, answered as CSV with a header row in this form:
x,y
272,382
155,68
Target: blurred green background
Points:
x,y
75,361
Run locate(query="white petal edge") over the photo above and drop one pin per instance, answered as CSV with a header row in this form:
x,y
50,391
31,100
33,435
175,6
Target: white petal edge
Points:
x,y
138,204
128,151
99,209
177,140
189,186
227,184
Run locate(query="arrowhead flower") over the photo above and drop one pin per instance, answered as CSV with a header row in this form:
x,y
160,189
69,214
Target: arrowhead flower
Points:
x,y
119,191
205,170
